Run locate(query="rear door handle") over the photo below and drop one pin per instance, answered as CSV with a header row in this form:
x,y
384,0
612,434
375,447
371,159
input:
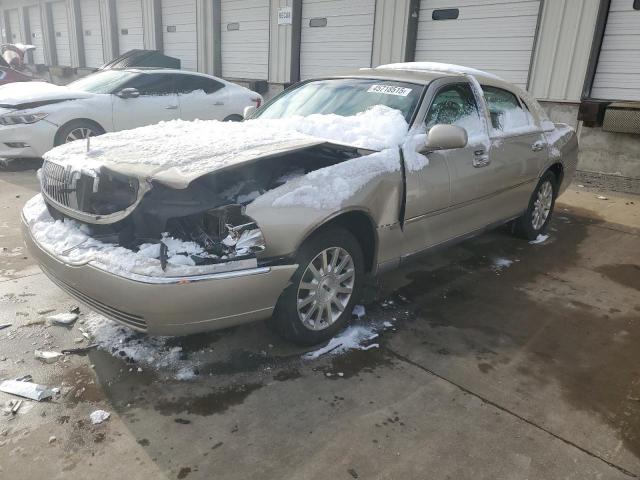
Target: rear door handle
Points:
x,y
171,107
480,159
538,146
218,103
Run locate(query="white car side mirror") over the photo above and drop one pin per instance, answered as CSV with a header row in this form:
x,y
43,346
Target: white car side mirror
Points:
x,y
445,137
128,93
248,111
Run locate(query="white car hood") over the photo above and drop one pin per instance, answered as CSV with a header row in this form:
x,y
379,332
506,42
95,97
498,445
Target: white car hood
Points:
x,y
176,153
20,93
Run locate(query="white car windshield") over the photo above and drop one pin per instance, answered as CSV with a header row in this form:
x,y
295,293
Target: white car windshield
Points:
x,y
345,97
108,81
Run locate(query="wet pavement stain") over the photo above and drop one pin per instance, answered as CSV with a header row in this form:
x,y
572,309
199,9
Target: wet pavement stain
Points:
x,y
627,275
588,347
212,403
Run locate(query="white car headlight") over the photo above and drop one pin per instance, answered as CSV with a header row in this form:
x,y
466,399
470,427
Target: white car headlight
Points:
x,y
13,119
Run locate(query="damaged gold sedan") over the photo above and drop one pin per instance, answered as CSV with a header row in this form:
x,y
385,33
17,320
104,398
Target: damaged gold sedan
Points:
x,y
183,227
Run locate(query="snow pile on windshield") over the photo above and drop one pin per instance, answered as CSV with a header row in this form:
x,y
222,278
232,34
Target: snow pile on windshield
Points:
x,y
204,146
437,67
146,350
71,242
25,92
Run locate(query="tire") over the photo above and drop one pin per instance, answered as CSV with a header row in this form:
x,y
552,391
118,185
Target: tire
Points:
x,y
234,118
535,220
293,317
74,127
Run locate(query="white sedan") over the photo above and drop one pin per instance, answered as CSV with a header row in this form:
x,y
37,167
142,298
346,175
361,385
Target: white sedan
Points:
x,y
36,116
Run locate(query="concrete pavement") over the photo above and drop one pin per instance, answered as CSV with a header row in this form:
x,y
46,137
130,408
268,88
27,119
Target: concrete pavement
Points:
x,y
526,371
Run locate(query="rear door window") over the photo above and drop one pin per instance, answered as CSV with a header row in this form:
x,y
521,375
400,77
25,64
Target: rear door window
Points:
x,y
191,83
507,114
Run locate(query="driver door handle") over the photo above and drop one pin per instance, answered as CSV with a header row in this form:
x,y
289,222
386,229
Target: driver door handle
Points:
x,y
480,159
171,107
218,103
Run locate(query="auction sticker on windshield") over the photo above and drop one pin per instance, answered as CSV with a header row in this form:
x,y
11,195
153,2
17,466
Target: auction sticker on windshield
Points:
x,y
389,90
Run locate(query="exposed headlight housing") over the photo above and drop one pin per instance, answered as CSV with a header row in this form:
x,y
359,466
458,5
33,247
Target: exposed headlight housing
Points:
x,y
15,119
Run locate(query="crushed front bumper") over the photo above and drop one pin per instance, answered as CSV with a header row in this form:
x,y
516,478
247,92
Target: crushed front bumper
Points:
x,y
168,306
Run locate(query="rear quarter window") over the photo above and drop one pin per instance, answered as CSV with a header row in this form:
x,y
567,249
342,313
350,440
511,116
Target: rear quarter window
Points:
x,y
507,114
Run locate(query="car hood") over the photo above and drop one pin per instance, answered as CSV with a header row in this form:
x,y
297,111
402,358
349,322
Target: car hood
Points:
x,y
176,153
21,95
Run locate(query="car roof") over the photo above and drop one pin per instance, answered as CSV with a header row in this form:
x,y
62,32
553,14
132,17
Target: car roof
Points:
x,y
426,72
165,70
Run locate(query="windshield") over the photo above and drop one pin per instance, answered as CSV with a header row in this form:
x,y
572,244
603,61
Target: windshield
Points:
x,y
108,81
345,97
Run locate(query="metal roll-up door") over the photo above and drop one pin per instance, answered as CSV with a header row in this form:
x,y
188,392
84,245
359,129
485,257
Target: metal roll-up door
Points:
x,y
180,32
245,39
35,30
130,28
618,71
497,36
337,36
91,23
13,21
60,25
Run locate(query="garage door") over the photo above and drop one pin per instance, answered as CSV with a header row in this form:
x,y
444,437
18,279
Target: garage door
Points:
x,y
492,35
245,39
35,30
130,29
61,32
618,73
337,36
13,23
91,33
179,32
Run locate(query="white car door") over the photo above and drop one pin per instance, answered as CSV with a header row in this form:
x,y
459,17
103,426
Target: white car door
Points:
x,y
157,101
202,98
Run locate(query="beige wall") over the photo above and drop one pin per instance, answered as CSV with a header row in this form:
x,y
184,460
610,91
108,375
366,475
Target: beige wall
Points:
x,y
390,31
563,47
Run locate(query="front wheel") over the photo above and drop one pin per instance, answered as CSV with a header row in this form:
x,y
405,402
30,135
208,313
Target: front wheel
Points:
x,y
322,293
535,220
77,130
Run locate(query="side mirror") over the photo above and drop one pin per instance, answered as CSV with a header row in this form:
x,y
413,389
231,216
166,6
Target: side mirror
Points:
x,y
128,93
445,137
248,111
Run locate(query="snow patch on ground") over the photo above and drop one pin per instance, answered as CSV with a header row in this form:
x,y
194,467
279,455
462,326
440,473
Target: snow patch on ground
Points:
x,y
539,239
152,351
500,263
357,336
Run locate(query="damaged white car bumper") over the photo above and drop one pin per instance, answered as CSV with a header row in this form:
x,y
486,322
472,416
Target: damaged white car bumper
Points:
x,y
165,305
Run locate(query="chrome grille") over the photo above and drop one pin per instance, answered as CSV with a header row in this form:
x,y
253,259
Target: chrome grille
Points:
x,y
57,182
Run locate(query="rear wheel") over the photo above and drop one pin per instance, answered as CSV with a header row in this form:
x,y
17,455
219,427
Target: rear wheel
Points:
x,y
322,293
535,220
77,130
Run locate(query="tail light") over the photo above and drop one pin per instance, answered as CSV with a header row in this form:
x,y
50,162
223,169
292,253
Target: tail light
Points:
x,y
258,101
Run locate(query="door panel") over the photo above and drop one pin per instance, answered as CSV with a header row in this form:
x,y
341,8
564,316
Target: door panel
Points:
x,y
91,33
61,33
130,29
201,98
37,40
158,101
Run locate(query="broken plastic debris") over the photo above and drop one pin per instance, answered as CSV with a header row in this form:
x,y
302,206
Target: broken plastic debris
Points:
x,y
539,239
44,311
602,197
64,319
80,350
5,325
47,357
15,406
359,311
52,439
99,416
29,390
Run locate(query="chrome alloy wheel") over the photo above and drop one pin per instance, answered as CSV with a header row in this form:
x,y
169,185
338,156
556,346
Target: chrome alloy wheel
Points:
x,y
542,205
325,288
78,134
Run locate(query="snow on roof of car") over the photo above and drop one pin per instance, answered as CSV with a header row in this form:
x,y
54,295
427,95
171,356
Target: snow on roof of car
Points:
x,y
439,68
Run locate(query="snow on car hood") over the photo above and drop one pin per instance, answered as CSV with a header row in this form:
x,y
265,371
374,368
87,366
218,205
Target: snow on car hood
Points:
x,y
177,152
20,93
